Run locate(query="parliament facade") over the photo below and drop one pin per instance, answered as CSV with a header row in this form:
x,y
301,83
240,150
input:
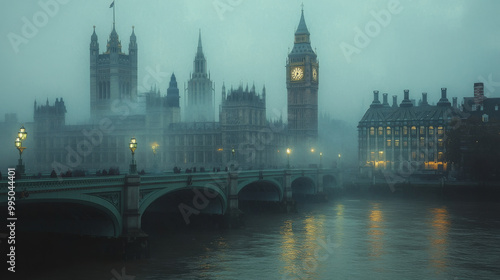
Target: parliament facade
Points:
x,y
243,136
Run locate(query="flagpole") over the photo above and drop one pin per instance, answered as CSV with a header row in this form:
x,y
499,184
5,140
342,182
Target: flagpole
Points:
x,y
113,13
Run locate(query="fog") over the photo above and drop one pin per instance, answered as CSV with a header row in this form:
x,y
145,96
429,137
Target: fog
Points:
x,y
361,46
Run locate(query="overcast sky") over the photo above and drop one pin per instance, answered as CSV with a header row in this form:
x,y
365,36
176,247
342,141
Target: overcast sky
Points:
x,y
423,46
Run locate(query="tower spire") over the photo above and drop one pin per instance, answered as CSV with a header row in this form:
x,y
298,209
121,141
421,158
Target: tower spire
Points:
x,y
200,47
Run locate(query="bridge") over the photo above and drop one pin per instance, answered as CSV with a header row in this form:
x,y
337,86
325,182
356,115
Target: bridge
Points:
x,y
114,206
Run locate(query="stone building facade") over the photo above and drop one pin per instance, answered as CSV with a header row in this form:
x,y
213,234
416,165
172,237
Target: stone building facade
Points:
x,y
406,136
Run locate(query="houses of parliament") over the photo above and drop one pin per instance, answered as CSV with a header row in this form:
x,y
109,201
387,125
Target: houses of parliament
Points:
x,y
243,136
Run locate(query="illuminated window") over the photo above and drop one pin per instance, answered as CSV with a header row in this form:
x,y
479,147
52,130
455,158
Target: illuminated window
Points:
x,y
485,118
396,143
422,141
372,156
440,143
396,131
422,130
380,131
422,156
405,130
440,130
388,143
381,155
388,131
413,130
414,155
440,156
372,130
431,130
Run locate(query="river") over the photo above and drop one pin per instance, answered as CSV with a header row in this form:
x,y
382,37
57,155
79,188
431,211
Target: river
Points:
x,y
341,239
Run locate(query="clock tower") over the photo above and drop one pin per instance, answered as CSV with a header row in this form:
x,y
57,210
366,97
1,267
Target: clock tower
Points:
x,y
302,77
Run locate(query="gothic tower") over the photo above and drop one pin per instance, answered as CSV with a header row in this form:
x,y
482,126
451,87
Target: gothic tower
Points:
x,y
200,107
302,77
113,74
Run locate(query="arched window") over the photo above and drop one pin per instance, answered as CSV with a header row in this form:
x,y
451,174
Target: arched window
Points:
x,y
372,130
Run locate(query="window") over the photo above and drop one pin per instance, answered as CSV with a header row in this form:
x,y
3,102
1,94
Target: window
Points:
x,y
440,130
422,130
380,131
485,118
440,156
414,155
388,130
405,143
372,156
396,143
413,130
422,155
381,155
431,130
440,143
372,130
422,141
388,143
396,131
405,130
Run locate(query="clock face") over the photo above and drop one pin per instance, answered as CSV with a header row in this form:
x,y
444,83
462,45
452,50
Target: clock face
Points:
x,y
297,74
315,74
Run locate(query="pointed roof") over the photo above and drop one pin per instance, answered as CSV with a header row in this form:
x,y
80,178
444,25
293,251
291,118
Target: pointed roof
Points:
x,y
94,36
302,28
200,48
132,36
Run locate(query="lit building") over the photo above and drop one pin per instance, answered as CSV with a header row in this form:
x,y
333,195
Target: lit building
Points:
x,y
395,137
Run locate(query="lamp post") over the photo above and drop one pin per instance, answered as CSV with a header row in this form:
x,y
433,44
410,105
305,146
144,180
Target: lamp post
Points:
x,y
320,159
233,152
288,152
21,136
154,147
338,164
133,145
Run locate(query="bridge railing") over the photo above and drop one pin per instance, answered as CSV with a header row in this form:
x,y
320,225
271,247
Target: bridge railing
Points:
x,y
64,183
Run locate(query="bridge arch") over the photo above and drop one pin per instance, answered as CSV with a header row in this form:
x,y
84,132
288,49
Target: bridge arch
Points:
x,y
208,191
260,190
303,185
88,203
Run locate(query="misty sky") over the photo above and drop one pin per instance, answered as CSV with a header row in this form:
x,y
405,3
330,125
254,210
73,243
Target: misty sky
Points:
x,y
424,46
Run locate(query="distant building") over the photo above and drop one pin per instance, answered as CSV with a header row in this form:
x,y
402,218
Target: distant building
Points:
x,y
200,96
302,79
406,137
243,136
113,74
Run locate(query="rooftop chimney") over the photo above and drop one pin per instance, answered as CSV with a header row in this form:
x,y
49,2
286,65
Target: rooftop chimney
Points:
x,y
376,103
443,101
455,102
478,93
385,103
394,101
424,99
406,101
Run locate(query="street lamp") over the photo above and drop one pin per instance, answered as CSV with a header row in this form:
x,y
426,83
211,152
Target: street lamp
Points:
x,y
154,147
21,136
288,152
320,159
133,145
233,152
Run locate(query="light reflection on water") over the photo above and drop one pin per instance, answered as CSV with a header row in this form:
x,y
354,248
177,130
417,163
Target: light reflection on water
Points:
x,y
343,239
440,224
376,231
